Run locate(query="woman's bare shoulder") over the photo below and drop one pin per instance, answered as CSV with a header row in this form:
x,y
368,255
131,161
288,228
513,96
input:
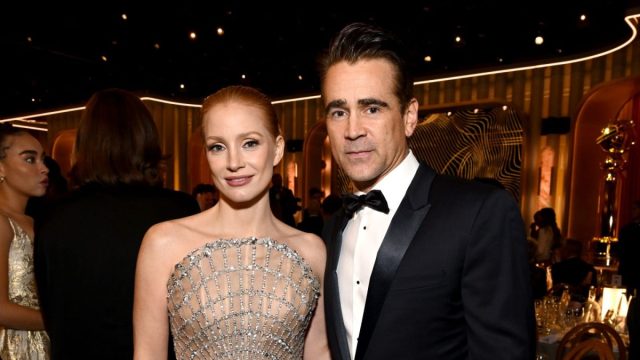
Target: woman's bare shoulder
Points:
x,y
171,237
6,231
310,247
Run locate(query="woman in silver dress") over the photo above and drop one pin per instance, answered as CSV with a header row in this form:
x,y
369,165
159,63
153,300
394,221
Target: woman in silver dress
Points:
x,y
23,174
232,282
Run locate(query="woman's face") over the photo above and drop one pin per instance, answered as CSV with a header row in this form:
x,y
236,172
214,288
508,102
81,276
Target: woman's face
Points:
x,y
23,167
241,151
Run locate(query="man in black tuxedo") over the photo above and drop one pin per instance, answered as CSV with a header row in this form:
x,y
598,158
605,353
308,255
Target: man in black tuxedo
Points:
x,y
436,267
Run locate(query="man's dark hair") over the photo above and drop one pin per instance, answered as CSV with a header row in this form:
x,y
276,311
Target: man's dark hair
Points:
x,y
360,41
117,141
6,131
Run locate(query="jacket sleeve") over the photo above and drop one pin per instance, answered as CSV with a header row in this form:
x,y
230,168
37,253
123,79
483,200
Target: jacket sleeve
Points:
x,y
496,285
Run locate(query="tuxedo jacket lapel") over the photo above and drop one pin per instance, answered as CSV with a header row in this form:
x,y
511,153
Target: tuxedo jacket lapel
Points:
x,y
402,230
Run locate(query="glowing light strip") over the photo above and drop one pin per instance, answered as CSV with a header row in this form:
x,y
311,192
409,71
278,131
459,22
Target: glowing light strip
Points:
x,y
296,99
170,102
628,19
634,33
26,117
29,127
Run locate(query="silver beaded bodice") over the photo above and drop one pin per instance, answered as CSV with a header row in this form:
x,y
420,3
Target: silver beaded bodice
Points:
x,y
241,299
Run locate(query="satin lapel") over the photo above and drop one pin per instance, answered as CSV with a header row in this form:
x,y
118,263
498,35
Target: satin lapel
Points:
x,y
333,309
404,225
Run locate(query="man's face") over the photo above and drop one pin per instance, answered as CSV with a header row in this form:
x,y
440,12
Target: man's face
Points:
x,y
367,128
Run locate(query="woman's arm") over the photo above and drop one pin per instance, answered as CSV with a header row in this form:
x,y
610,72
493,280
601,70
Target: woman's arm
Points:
x,y
12,315
316,345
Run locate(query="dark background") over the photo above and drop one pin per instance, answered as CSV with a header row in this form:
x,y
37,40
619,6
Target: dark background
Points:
x,y
52,51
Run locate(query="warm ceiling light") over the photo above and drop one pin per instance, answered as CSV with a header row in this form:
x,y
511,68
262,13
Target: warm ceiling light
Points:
x,y
182,86
583,17
427,58
156,46
630,20
220,31
504,107
539,40
33,99
192,35
299,77
458,39
243,76
124,16
29,39
104,58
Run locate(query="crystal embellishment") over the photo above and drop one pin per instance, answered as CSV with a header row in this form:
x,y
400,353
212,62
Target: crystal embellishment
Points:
x,y
242,298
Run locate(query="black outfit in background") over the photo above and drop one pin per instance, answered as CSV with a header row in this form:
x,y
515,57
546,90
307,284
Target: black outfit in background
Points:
x,y
85,256
629,255
311,223
283,204
538,281
573,272
633,326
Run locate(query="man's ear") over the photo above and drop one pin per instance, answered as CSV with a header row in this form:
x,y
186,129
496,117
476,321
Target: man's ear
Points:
x,y
279,150
410,117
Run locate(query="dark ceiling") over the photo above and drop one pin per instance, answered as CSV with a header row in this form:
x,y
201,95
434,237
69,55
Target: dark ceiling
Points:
x,y
52,51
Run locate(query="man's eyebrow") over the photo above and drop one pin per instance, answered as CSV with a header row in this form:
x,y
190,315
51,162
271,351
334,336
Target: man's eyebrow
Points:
x,y
334,104
373,101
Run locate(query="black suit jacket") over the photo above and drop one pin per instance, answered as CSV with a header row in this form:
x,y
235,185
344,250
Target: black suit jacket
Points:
x,y
85,255
450,281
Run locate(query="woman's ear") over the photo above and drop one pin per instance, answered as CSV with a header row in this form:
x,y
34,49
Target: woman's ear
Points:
x,y
279,150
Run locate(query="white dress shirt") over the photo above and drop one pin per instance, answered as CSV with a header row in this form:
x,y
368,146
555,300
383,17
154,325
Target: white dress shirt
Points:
x,y
361,240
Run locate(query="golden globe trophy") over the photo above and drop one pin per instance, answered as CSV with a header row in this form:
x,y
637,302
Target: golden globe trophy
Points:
x,y
615,140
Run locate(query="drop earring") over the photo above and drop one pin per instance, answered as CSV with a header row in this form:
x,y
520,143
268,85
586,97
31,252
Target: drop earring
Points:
x,y
1,179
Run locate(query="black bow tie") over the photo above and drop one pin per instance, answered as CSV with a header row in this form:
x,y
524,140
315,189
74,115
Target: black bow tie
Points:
x,y
373,199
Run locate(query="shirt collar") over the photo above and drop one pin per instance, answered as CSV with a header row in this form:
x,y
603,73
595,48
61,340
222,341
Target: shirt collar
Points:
x,y
395,184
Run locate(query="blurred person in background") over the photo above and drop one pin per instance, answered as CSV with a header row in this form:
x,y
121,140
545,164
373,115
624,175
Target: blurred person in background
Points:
x,y
628,250
23,175
312,216
58,186
572,270
548,237
206,195
88,241
283,203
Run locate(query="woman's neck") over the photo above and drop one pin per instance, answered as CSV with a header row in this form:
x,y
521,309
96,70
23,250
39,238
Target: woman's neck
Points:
x,y
13,204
